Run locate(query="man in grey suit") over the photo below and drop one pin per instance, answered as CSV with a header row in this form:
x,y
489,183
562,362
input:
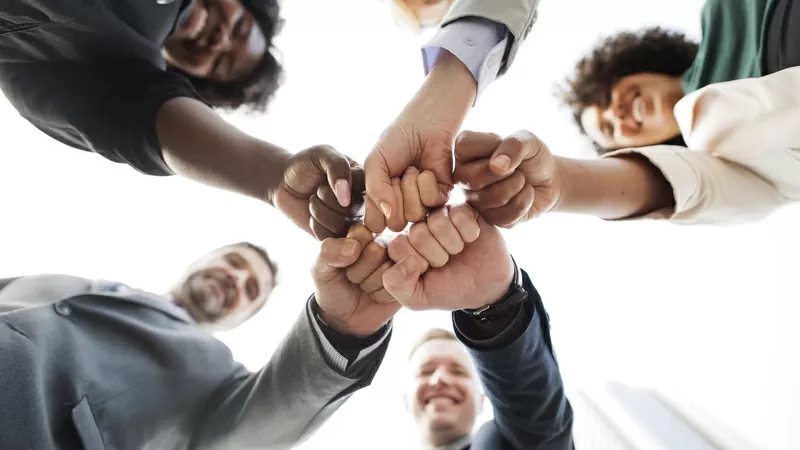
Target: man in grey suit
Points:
x,y
99,365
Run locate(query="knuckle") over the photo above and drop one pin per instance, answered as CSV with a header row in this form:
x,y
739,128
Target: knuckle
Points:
x,y
374,251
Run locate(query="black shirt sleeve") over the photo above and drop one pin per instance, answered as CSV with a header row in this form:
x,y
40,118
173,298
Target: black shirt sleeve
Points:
x,y
108,108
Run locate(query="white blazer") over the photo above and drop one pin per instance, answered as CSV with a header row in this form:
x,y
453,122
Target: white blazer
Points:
x,y
743,155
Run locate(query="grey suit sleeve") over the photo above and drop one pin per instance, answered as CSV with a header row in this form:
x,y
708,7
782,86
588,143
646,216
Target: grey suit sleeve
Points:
x,y
518,16
288,400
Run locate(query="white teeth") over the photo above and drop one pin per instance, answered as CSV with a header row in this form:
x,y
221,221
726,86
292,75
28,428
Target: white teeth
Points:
x,y
637,109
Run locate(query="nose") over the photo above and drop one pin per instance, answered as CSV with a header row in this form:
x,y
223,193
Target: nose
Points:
x,y
620,120
220,39
438,378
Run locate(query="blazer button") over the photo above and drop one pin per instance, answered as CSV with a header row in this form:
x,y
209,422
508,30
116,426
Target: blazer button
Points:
x,y
63,308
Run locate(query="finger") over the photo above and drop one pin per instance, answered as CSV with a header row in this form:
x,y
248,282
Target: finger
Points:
x,y
397,222
427,246
473,145
431,192
413,208
444,231
384,297
374,219
465,219
512,151
360,233
337,168
328,197
475,175
379,187
400,248
515,210
500,193
374,281
334,221
372,256
403,284
333,255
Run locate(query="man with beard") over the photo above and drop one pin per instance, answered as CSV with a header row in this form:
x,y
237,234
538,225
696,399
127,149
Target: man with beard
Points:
x,y
95,364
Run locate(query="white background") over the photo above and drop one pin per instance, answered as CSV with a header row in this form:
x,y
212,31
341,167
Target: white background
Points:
x,y
703,312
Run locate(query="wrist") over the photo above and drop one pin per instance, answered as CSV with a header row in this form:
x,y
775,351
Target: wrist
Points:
x,y
499,290
447,94
343,326
274,169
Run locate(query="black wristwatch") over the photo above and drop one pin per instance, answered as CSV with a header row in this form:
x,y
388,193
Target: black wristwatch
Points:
x,y
515,296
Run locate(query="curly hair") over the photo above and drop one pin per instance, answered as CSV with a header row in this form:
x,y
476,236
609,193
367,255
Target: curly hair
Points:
x,y
653,50
255,90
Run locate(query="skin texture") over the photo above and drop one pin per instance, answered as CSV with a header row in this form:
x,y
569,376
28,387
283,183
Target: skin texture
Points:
x,y
225,287
421,137
443,394
640,112
347,289
199,145
220,40
428,276
512,180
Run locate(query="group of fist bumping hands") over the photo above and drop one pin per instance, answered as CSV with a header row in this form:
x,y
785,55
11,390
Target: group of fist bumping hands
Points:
x,y
506,181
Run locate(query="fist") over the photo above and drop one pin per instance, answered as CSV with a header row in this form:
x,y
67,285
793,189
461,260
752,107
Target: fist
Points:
x,y
509,180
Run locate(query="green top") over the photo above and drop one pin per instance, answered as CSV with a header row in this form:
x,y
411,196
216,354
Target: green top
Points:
x,y
733,37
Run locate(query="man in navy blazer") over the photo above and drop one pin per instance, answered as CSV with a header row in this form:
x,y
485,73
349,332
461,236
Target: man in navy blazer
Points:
x,y
501,340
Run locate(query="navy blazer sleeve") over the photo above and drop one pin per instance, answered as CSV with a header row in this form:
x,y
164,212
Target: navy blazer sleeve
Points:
x,y
519,372
109,109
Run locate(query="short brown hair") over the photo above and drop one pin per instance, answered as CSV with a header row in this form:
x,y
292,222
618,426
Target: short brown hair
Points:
x,y
653,50
432,335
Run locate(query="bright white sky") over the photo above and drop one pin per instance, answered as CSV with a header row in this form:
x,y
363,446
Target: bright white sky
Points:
x,y
704,312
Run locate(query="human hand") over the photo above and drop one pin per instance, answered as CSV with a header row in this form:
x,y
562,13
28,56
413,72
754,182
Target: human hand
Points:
x,y
454,260
421,137
509,180
321,191
348,283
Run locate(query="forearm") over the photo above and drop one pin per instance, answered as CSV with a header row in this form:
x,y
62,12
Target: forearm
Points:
x,y
519,371
200,145
289,399
447,93
612,188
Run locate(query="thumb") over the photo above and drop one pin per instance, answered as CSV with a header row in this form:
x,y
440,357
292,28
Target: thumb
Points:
x,y
379,186
402,282
336,168
334,255
512,151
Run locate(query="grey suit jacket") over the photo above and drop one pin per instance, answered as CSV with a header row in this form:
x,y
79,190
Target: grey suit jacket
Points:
x,y
83,366
517,15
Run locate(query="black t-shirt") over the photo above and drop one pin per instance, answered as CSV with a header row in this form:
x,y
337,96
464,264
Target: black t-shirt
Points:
x,y
89,73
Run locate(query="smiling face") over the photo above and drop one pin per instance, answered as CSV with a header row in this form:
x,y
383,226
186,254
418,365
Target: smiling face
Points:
x,y
444,396
640,112
224,288
219,40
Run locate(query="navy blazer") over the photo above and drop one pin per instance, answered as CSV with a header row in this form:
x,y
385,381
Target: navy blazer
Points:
x,y
519,372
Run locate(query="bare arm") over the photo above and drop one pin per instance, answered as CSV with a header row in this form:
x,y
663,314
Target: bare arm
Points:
x,y
200,145
612,188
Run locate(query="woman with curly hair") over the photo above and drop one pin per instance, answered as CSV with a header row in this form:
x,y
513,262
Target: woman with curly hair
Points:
x,y
137,81
692,133
623,93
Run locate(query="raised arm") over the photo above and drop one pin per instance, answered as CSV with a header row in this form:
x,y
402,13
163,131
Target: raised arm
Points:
x,y
518,369
333,350
154,121
497,314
